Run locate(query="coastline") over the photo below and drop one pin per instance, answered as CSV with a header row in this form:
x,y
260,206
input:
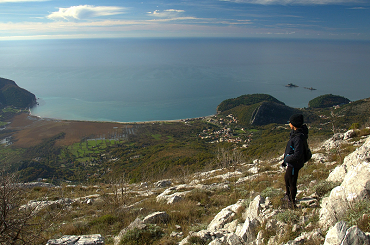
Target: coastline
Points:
x,y
138,122
30,130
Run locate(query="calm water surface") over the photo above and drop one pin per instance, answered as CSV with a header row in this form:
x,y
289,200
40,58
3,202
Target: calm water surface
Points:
x,y
132,80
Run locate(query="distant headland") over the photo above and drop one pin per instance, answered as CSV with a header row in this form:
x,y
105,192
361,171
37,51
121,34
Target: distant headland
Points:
x,y
12,95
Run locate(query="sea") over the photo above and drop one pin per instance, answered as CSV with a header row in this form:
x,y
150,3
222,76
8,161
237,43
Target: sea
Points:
x,y
140,79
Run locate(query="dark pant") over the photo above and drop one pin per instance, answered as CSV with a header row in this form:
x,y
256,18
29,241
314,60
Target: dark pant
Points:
x,y
291,176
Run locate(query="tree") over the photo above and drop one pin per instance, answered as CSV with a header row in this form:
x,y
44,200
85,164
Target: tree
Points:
x,y
19,224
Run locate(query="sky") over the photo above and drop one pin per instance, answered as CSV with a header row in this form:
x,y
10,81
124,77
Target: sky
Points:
x,y
62,19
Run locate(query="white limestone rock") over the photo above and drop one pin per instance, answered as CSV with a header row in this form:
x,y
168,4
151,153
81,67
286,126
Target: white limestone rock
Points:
x,y
225,216
163,183
248,232
355,186
95,239
156,218
254,208
332,143
360,155
341,234
350,134
319,157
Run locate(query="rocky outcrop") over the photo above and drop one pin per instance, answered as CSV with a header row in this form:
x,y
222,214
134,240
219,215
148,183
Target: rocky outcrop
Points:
x,y
96,239
355,185
225,216
341,234
36,206
362,154
141,224
256,221
354,175
171,197
225,229
272,112
163,183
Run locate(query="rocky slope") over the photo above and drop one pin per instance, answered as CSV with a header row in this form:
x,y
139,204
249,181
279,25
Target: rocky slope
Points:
x,y
256,220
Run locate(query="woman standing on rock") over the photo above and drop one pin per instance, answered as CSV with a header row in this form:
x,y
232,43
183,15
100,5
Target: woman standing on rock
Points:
x,y
294,157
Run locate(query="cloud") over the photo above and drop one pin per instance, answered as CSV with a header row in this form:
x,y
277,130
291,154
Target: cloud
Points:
x,y
168,13
293,2
85,12
18,1
358,8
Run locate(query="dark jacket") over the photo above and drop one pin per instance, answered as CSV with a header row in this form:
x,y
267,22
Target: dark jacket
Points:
x,y
295,148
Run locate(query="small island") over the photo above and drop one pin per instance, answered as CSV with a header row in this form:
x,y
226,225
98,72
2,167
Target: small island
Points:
x,y
310,88
291,85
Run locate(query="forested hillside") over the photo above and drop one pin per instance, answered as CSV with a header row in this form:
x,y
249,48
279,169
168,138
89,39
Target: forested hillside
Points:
x,y
246,100
327,100
12,95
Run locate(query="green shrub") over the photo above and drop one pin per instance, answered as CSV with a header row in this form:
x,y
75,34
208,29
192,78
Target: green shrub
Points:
x,y
288,216
107,219
142,236
355,126
195,240
270,192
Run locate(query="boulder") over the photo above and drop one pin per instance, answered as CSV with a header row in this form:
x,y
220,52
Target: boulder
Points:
x,y
253,170
254,208
95,239
89,201
341,234
156,218
225,216
336,234
233,239
248,232
163,183
137,223
169,197
350,134
174,199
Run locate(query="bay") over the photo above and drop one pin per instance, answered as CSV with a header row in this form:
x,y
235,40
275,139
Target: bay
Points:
x,y
133,80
